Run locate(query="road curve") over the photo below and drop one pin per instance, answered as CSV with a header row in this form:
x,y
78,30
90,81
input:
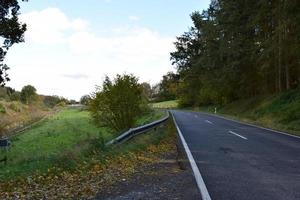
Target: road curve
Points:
x,y
241,162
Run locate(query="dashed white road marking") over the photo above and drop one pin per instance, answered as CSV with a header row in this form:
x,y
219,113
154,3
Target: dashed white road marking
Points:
x,y
196,116
207,121
244,123
238,135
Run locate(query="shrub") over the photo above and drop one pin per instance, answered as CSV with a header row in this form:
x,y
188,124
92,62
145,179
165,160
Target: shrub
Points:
x,y
15,96
28,94
118,103
2,108
52,101
15,106
61,104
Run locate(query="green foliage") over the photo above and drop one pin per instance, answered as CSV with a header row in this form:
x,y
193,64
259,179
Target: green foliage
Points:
x,y
147,90
12,32
3,93
168,87
15,96
286,107
84,100
118,103
52,101
28,94
15,106
279,112
238,49
72,101
2,108
149,117
61,104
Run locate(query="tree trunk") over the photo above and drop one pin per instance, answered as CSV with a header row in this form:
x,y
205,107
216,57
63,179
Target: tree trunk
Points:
x,y
286,63
279,48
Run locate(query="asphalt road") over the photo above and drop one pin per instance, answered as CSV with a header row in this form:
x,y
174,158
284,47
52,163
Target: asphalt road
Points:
x,y
241,162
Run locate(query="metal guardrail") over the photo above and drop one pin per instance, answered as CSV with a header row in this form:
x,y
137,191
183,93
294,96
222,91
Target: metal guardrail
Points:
x,y
138,130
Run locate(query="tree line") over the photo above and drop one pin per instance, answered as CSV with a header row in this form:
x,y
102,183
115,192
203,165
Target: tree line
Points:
x,y
239,49
28,95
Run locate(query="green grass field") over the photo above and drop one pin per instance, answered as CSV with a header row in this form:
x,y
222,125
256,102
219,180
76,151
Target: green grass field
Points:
x,y
62,141
58,141
166,104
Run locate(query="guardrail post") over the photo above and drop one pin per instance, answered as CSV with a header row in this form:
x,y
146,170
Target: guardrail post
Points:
x,y
4,145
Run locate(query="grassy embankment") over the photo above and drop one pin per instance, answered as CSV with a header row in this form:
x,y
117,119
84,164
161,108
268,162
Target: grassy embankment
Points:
x,y
62,141
15,115
281,112
64,157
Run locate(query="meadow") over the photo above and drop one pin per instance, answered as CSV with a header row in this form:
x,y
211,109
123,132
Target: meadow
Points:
x,y
63,141
166,104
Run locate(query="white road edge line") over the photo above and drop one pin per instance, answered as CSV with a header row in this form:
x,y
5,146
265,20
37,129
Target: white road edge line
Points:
x,y
238,135
200,182
207,121
268,129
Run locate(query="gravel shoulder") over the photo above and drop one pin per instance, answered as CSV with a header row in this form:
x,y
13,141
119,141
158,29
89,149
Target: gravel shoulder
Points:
x,y
163,179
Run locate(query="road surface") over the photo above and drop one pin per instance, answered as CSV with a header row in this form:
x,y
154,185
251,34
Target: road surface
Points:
x,y
241,162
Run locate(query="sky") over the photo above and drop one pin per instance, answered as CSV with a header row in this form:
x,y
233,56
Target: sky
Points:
x,y
71,45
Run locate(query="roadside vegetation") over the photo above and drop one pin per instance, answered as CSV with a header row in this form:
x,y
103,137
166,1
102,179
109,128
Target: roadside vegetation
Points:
x,y
62,141
118,103
165,104
73,140
280,112
68,151
241,60
19,109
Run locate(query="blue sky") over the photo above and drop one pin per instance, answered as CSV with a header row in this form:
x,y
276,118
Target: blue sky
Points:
x,y
72,44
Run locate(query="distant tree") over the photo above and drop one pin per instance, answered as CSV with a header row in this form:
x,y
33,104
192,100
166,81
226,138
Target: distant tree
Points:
x,y
10,91
52,101
84,100
3,93
28,94
72,101
15,96
168,87
11,32
118,103
147,90
6,92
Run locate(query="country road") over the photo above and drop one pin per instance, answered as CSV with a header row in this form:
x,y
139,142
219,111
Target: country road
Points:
x,y
241,162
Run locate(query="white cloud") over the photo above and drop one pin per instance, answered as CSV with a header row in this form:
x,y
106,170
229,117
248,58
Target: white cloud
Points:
x,y
65,57
50,26
79,25
134,18
76,76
